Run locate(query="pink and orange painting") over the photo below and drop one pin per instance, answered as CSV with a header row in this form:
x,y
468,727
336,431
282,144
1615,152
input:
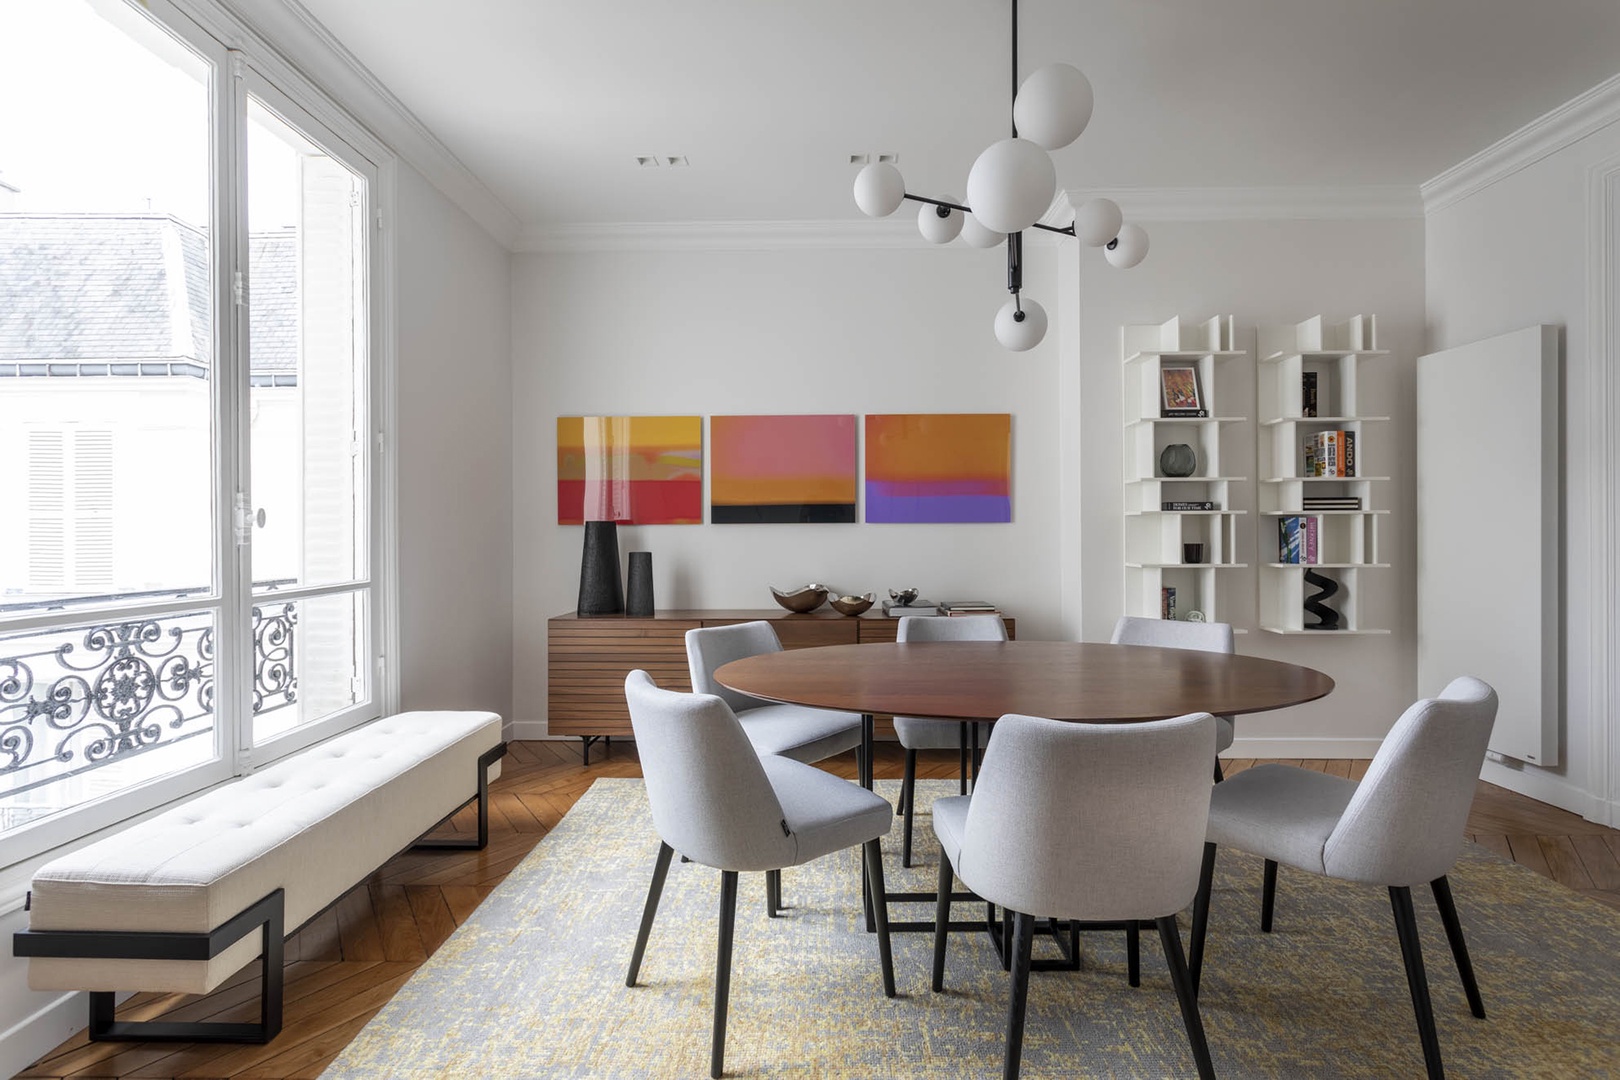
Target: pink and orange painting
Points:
x,y
781,469
939,467
635,470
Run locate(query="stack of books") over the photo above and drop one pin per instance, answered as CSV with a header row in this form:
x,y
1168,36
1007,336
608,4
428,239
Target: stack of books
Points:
x,y
1330,453
1188,504
916,607
968,607
1167,602
1298,540
1332,502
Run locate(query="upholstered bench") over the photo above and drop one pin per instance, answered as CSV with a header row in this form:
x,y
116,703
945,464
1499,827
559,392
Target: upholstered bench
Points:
x,y
171,903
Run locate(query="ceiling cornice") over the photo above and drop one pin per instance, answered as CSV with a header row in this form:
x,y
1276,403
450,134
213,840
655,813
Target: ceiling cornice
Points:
x,y
1569,123
1259,203
288,29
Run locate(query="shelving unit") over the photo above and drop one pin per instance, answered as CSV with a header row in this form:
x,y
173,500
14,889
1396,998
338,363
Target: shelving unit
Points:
x,y
1154,536
1348,538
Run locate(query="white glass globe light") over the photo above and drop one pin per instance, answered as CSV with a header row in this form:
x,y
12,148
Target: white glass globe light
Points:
x,y
976,235
936,229
1097,221
1011,185
1020,335
1053,106
879,189
1128,248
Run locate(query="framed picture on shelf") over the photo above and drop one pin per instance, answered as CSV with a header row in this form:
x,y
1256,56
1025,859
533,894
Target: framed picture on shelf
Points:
x,y
1179,391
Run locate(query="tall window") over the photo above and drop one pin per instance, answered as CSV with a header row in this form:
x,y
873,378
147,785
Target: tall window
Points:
x,y
187,523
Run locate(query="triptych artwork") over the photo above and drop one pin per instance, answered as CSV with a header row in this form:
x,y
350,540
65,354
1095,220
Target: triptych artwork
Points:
x,y
920,467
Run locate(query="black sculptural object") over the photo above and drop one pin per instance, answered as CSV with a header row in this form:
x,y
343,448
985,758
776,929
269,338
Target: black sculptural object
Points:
x,y
1329,619
599,590
638,594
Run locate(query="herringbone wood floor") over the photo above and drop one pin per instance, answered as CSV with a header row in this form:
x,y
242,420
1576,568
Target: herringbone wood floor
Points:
x,y
343,966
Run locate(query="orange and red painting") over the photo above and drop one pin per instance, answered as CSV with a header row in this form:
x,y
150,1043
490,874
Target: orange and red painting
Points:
x,y
635,470
939,467
781,469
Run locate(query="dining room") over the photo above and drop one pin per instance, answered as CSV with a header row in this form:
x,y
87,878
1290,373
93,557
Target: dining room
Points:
x,y
1134,598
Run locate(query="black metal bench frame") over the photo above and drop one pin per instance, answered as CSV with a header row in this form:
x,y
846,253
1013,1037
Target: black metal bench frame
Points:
x,y
267,915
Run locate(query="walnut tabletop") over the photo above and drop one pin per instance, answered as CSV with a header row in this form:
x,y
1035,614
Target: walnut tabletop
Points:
x,y
1060,680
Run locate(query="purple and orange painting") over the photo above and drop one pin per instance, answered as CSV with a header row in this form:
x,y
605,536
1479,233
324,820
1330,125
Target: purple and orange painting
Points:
x,y
636,470
939,467
781,469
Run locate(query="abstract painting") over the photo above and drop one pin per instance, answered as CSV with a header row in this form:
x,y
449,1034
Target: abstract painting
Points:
x,y
635,470
781,469
939,467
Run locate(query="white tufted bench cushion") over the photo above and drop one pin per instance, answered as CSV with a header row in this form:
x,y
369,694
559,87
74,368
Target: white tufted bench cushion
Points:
x,y
313,824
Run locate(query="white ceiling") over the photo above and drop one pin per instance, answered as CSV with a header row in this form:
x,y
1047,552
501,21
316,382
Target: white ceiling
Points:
x,y
549,103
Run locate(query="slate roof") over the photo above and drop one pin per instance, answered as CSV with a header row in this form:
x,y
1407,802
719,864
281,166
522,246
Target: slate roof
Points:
x,y
134,287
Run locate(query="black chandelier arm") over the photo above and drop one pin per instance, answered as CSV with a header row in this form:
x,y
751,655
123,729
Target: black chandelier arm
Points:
x,y
1067,230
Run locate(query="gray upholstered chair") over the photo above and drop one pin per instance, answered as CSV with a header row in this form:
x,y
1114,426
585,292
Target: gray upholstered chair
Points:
x,y
1093,822
1402,825
919,734
721,804
1172,634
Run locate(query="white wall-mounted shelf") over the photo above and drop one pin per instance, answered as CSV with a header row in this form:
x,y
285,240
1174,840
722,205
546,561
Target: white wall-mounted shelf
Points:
x,y
1308,382
1155,537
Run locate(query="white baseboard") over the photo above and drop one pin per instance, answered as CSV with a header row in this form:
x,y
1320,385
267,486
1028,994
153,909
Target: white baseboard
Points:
x,y
37,1034
528,729
1551,788
1305,746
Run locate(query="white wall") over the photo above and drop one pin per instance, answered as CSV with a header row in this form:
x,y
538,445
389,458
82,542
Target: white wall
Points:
x,y
455,456
907,329
1505,257
793,331
1265,273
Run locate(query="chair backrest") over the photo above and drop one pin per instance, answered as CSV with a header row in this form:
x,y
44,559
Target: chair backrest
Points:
x,y
951,628
1174,634
1405,823
1090,821
711,800
711,647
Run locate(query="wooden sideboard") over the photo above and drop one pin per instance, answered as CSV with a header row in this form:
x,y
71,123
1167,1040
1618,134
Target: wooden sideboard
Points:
x,y
587,657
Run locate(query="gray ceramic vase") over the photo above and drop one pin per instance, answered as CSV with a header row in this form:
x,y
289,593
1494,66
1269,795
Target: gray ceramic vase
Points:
x,y
1178,459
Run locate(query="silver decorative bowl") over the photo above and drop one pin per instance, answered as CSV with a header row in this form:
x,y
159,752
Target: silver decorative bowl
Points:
x,y
852,605
804,598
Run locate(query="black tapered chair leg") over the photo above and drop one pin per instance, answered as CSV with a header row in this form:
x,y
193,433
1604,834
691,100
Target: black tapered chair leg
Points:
x,y
1219,776
1459,947
1200,916
722,971
942,920
773,893
1400,899
880,909
654,891
1186,995
908,795
962,758
1133,953
1268,896
1022,940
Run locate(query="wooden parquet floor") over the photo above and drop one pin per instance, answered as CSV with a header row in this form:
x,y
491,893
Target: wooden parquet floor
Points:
x,y
345,965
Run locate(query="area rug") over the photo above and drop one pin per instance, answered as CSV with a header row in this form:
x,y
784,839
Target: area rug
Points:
x,y
533,984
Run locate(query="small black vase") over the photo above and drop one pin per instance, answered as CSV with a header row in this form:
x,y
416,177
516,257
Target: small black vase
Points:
x,y
638,593
599,590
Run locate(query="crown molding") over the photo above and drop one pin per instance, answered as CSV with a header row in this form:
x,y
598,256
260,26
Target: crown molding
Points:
x,y
1380,201
290,34
1572,121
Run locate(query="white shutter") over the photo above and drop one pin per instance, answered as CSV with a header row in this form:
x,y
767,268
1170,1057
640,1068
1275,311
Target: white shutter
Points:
x,y
47,496
92,510
70,510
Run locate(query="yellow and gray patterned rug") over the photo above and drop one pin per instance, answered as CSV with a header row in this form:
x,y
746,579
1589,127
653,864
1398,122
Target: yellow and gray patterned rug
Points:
x,y
533,984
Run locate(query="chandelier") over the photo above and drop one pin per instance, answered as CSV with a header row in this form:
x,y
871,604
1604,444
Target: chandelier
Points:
x,y
1011,185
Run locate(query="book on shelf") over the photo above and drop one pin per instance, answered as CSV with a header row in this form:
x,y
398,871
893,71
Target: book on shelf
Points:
x,y
916,607
1167,602
1331,502
1290,542
1194,504
1330,453
1308,394
1311,527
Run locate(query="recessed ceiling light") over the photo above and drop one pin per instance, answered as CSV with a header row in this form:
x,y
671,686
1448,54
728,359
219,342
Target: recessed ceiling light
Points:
x,y
646,162
860,159
891,159
677,160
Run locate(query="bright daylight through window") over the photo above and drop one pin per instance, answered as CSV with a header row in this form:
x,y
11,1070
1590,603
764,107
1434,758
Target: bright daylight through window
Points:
x,y
186,512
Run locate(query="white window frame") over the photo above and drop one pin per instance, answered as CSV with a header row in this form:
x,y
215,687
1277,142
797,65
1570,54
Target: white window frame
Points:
x,y
240,60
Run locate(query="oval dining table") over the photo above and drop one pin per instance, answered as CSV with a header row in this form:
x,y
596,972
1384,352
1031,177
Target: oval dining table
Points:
x,y
1084,682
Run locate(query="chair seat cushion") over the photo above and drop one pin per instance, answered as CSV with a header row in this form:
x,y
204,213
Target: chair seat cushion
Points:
x,y
950,824
915,733
801,733
824,812
1279,812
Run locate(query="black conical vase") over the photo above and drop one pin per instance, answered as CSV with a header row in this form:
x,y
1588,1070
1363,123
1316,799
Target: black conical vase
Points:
x,y
599,590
